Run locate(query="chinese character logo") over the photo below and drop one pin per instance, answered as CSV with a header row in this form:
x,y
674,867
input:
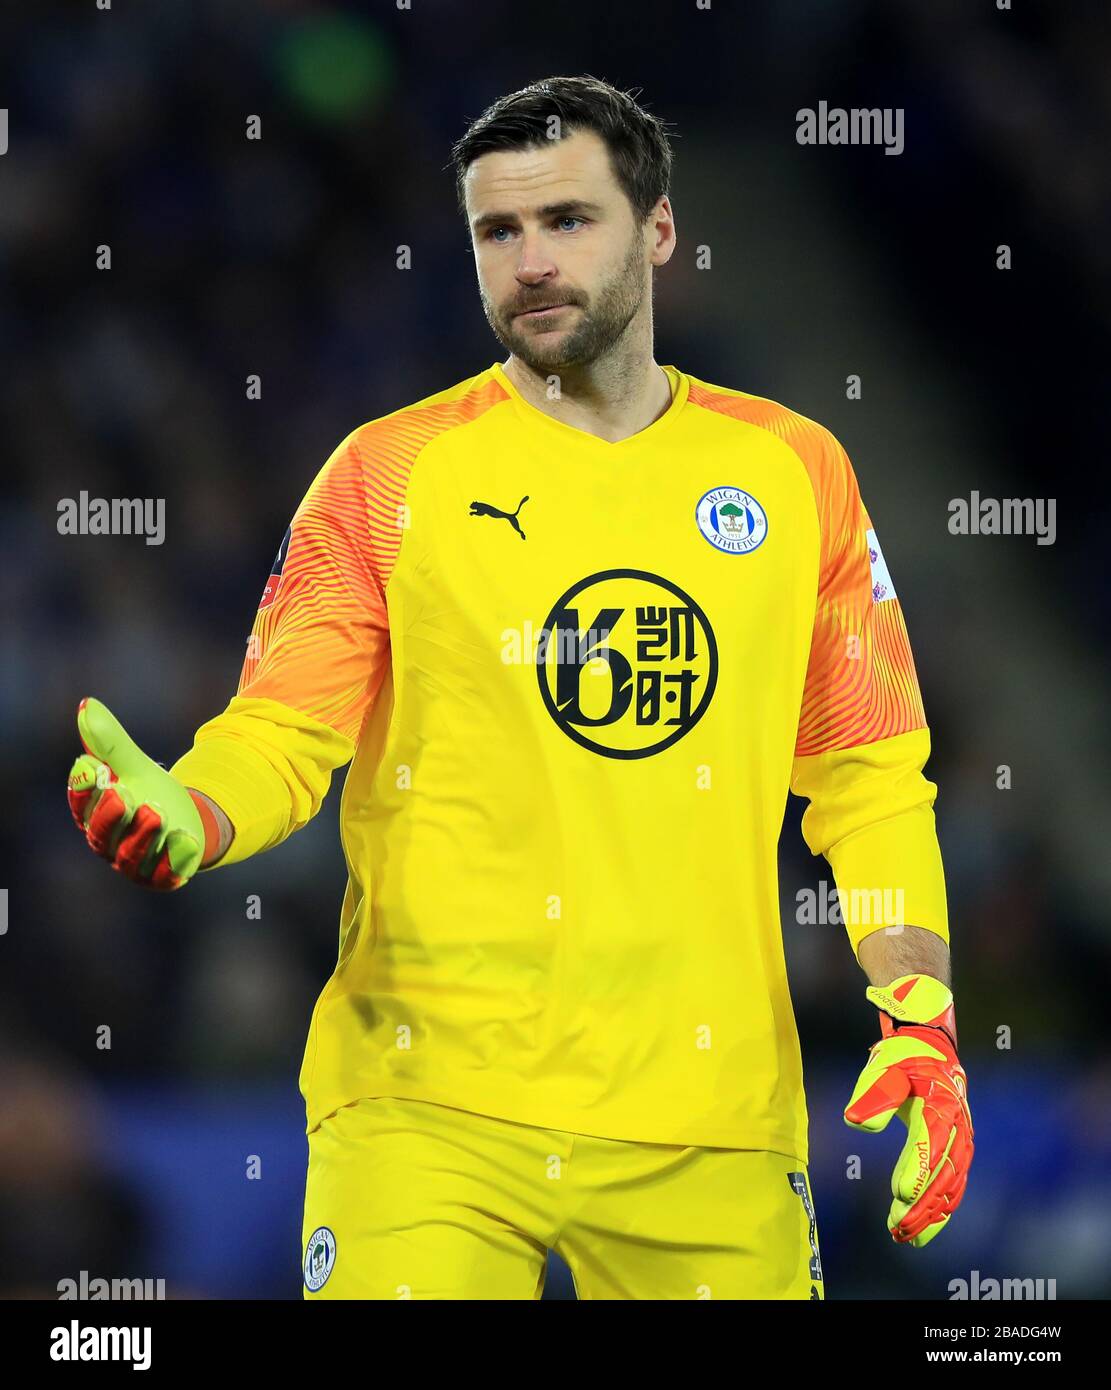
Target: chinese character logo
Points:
x,y
627,663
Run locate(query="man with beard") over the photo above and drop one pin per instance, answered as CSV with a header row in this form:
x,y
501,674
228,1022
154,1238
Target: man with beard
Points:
x,y
580,622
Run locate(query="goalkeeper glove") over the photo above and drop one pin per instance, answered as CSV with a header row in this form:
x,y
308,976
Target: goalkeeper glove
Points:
x,y
913,1072
149,826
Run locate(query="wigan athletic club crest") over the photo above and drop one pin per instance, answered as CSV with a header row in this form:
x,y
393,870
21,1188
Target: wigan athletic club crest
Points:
x,y
731,520
320,1258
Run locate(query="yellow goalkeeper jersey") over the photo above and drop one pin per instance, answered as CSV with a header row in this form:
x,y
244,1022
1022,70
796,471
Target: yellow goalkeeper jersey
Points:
x,y
575,680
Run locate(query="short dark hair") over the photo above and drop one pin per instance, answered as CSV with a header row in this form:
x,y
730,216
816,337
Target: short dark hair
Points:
x,y
638,142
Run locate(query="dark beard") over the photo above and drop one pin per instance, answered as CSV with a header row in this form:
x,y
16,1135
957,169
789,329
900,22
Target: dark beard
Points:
x,y
599,327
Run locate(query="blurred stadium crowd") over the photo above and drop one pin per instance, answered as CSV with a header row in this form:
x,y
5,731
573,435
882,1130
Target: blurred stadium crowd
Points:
x,y
278,257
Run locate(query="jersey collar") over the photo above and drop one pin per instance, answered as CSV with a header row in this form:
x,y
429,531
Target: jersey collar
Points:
x,y
572,435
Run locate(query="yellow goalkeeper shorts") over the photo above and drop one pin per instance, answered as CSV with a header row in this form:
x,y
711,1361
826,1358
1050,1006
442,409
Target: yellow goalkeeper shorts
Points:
x,y
407,1199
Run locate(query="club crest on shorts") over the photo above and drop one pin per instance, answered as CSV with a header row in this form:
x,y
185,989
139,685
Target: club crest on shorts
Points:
x,y
320,1258
731,520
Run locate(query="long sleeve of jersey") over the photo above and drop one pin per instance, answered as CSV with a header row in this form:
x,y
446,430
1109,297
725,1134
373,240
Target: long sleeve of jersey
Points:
x,y
863,741
315,660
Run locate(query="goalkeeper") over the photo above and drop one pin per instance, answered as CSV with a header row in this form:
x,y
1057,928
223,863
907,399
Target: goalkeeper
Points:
x,y
577,646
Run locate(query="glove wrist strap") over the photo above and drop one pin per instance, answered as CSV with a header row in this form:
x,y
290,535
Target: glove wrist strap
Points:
x,y
915,1001
211,828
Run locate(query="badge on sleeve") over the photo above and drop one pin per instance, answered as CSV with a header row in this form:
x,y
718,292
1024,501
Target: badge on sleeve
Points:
x,y
883,587
270,593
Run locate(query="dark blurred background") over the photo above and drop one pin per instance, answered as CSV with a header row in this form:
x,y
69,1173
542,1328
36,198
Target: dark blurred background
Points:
x,y
233,257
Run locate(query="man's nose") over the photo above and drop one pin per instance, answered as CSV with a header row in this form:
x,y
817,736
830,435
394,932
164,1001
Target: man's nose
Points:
x,y
533,264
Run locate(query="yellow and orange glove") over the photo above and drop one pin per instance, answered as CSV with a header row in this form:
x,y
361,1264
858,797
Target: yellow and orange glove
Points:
x,y
913,1072
148,825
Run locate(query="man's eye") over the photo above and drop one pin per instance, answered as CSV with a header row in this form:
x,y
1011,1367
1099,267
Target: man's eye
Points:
x,y
495,234
562,220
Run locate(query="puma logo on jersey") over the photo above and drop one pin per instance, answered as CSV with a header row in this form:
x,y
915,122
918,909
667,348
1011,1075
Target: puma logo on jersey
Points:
x,y
485,509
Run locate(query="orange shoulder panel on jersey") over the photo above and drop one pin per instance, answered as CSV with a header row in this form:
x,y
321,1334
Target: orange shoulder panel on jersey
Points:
x,y
320,640
861,685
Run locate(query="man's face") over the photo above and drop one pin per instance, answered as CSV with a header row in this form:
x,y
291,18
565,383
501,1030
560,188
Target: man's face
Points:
x,y
562,260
